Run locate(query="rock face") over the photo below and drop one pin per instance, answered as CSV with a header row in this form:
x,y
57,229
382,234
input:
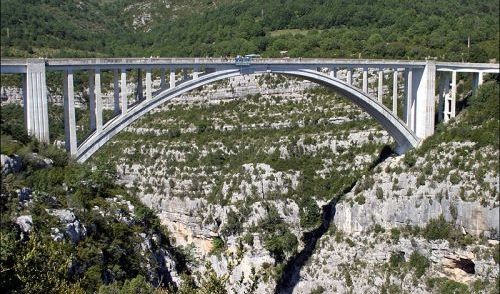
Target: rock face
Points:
x,y
199,187
372,262
422,200
10,164
74,229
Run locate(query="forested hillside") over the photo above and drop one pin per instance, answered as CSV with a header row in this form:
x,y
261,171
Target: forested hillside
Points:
x,y
362,28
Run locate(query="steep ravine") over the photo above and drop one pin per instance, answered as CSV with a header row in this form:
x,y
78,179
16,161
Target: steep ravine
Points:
x,y
291,272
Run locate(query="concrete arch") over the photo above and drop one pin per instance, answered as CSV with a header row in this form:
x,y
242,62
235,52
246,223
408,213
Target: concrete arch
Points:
x,y
404,137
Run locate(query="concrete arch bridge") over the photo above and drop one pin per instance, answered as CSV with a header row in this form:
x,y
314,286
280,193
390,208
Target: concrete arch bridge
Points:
x,y
419,97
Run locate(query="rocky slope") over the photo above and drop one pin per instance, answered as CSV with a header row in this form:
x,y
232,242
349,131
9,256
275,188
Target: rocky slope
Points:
x,y
217,171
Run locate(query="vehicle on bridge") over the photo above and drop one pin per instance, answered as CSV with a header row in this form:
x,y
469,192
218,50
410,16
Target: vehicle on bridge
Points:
x,y
243,60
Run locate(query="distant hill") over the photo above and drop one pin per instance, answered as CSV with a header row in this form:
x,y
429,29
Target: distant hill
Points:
x,y
362,28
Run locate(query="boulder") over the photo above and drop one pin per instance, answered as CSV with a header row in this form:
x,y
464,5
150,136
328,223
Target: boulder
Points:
x,y
11,164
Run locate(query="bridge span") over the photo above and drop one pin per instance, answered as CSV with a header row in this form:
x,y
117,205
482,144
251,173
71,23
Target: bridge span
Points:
x,y
422,79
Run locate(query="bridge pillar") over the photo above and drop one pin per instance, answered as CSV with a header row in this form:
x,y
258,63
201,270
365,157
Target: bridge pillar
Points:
x,y
424,93
149,94
116,93
36,114
140,95
69,114
349,76
163,82
98,101
380,85
365,80
477,80
172,77
124,90
92,100
444,89
408,99
453,100
196,72
333,73
395,92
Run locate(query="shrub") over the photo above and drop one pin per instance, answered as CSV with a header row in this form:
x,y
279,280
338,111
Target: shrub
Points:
x,y
396,259
395,234
455,178
419,262
217,245
437,229
360,199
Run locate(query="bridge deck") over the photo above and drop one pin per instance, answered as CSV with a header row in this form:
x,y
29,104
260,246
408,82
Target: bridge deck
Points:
x,y
14,65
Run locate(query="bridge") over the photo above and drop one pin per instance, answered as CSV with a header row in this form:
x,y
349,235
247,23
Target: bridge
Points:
x,y
420,79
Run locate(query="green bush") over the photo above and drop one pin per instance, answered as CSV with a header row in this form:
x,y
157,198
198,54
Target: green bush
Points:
x,y
396,259
419,262
360,199
437,229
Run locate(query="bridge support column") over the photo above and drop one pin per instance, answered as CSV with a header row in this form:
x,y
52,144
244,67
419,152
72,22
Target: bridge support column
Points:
x,y
477,80
140,95
124,90
98,101
69,114
395,92
172,78
450,95
380,85
453,101
163,82
424,93
408,98
333,73
444,87
365,80
349,76
149,94
92,100
116,93
196,72
36,114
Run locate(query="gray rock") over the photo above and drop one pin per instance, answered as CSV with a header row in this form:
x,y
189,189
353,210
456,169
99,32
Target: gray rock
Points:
x,y
25,222
74,229
38,161
56,234
24,194
11,164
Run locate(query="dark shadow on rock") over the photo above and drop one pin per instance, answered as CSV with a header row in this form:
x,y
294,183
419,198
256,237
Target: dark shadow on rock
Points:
x,y
291,272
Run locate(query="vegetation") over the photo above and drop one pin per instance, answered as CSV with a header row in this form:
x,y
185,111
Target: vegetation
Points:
x,y
367,29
